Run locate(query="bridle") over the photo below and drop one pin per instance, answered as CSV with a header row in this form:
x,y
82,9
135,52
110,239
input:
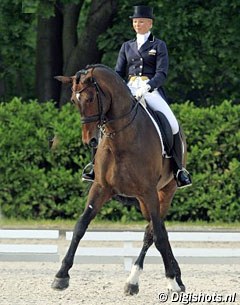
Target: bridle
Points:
x,y
100,117
97,117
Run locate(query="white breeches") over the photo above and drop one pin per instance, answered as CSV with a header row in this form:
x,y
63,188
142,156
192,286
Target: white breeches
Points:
x,y
156,102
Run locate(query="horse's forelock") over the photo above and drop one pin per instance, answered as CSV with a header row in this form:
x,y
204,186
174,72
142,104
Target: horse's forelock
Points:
x,y
79,73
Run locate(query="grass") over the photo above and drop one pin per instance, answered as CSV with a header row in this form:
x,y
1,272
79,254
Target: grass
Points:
x,y
109,225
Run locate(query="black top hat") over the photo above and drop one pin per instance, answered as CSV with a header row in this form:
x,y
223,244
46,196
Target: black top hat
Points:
x,y
142,11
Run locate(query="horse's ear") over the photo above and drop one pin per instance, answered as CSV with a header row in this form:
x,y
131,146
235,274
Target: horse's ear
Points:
x,y
64,79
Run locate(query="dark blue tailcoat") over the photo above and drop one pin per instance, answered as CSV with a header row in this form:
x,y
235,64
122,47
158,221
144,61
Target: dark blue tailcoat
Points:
x,y
150,60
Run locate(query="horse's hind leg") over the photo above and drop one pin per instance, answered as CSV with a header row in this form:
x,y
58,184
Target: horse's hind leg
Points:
x,y
176,268
162,244
97,196
132,283
173,272
157,206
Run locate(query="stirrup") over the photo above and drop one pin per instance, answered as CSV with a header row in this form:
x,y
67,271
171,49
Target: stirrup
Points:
x,y
186,182
88,173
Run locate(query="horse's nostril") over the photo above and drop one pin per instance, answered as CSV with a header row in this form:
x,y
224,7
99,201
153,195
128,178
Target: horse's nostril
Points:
x,y
93,143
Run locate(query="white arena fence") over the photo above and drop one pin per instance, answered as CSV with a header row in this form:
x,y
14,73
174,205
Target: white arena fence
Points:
x,y
24,251
122,249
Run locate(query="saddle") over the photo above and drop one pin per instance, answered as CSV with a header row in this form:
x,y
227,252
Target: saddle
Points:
x,y
165,129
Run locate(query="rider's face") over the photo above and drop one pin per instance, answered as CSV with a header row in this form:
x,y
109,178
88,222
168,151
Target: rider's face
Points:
x,y
142,25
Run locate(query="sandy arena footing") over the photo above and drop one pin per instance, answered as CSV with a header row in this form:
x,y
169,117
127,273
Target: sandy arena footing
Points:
x,y
30,283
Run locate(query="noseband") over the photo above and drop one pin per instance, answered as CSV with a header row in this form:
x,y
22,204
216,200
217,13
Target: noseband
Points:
x,y
101,116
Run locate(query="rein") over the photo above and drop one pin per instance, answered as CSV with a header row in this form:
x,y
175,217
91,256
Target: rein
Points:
x,y
113,133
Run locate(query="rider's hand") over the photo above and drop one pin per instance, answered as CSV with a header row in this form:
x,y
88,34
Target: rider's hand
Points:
x,y
143,90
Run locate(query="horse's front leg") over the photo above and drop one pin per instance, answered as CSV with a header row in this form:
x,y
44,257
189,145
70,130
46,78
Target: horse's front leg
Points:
x,y
97,197
132,283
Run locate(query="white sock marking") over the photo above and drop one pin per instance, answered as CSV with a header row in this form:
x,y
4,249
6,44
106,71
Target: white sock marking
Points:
x,y
134,275
173,285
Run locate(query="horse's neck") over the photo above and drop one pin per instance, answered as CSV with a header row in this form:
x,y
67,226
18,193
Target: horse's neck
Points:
x,y
121,98
125,105
121,105
131,127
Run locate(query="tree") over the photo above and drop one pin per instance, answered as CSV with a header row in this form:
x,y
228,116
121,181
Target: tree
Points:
x,y
17,40
204,47
49,55
60,39
40,39
203,42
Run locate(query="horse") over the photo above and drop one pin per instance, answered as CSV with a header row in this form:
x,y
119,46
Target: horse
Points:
x,y
128,162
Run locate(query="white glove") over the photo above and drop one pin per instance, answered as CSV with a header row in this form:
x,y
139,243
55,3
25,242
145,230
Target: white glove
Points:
x,y
143,90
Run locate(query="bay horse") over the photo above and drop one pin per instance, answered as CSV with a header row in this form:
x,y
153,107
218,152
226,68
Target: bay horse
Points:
x,y
128,162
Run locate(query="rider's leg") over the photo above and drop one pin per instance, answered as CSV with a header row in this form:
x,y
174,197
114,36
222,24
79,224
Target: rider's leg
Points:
x,y
157,103
181,175
88,171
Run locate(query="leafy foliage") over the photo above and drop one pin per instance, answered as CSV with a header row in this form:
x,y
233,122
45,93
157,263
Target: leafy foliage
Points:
x,y
213,159
36,182
202,38
203,45
17,52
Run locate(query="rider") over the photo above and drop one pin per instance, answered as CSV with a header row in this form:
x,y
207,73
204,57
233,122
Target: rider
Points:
x,y
143,61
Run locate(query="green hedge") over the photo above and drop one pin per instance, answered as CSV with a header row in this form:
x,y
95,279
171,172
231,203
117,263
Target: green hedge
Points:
x,y
213,138
36,182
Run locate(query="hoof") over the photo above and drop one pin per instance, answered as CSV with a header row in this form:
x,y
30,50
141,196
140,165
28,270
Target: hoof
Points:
x,y
131,289
60,283
171,291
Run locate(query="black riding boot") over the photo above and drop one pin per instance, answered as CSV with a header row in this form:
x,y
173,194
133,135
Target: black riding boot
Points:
x,y
181,175
88,171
